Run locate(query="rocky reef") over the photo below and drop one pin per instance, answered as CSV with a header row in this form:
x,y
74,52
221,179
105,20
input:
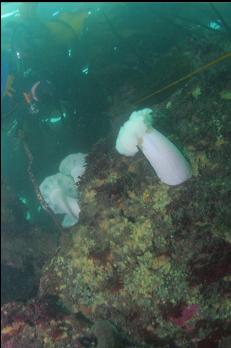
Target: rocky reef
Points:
x,y
154,259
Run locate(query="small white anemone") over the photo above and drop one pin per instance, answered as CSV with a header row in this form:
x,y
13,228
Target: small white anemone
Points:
x,y
60,194
74,165
167,161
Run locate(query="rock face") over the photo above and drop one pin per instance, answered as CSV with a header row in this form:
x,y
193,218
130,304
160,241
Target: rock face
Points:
x,y
154,259
107,335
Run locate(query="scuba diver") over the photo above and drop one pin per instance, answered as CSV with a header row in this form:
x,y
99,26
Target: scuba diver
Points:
x,y
28,88
38,56
25,83
22,91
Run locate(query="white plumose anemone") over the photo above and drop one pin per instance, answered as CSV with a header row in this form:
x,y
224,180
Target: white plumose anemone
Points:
x,y
60,191
60,194
73,165
167,161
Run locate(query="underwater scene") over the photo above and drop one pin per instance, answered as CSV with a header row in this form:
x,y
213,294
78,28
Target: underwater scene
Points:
x,y
115,175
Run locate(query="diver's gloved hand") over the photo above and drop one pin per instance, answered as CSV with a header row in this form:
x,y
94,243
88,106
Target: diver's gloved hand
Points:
x,y
33,109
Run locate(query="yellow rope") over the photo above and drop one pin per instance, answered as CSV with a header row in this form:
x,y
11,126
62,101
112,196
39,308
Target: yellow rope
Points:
x,y
186,77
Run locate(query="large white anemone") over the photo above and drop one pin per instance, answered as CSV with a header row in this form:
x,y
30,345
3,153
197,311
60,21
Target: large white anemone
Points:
x,y
167,161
